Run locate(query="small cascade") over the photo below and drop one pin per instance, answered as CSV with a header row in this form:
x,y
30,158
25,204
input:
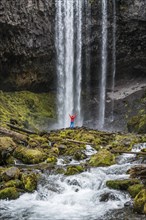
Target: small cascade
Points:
x,y
77,197
69,50
113,58
102,97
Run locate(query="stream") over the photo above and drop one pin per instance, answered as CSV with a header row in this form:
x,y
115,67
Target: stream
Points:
x,y
78,197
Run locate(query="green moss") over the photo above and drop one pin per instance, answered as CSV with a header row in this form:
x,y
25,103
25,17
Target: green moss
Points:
x,y
135,189
30,181
140,202
27,109
124,141
102,158
14,183
121,184
10,173
51,159
7,145
72,170
9,193
29,156
137,123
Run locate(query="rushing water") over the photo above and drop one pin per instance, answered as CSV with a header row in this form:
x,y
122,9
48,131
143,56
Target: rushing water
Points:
x,y
69,54
87,36
113,58
103,65
78,197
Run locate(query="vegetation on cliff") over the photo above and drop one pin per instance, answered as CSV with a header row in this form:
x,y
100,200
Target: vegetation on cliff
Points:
x,y
26,109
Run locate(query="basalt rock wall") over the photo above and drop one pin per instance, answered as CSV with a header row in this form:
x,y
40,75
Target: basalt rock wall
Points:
x,y
27,45
130,38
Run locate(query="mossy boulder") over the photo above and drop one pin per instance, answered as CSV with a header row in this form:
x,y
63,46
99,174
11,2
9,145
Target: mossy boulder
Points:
x,y
9,193
29,181
10,173
38,141
14,183
102,158
72,170
29,156
135,189
52,159
123,141
121,184
137,124
7,145
140,202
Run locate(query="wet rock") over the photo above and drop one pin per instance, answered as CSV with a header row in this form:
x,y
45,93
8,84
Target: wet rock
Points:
x,y
72,170
11,173
121,184
140,202
108,196
9,193
29,156
102,158
29,181
135,189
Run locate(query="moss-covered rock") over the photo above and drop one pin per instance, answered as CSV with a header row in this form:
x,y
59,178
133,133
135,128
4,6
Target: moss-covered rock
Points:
x,y
9,193
102,158
29,181
27,109
72,170
137,124
52,159
14,183
135,189
140,202
29,156
124,142
10,173
121,184
7,145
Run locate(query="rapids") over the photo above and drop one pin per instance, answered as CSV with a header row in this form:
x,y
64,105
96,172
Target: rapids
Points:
x,y
78,197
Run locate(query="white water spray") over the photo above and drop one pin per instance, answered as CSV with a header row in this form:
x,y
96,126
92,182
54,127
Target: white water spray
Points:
x,y
68,19
78,197
103,65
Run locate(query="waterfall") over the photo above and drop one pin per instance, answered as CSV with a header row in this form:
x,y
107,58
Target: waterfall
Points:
x,y
78,9
113,58
69,50
87,54
103,65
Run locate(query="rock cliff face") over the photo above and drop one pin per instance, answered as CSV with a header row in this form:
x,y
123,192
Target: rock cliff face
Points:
x,y
130,55
130,36
27,44
27,47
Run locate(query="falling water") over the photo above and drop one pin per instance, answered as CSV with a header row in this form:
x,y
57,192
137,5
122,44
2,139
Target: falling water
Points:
x,y
87,36
60,58
68,19
103,65
78,9
113,58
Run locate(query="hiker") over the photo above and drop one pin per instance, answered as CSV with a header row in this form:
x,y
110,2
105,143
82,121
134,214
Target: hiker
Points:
x,y
72,118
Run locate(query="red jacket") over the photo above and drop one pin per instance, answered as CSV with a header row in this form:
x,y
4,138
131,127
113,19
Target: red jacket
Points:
x,y
72,117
